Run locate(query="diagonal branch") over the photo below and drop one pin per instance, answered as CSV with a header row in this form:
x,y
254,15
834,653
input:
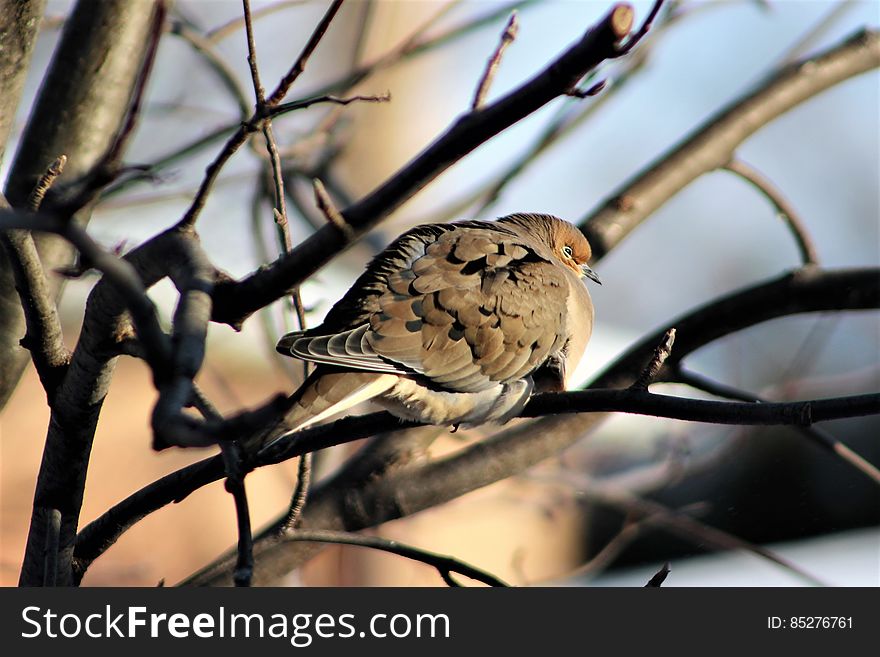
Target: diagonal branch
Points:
x,y
300,65
818,436
712,145
508,36
785,210
444,565
43,337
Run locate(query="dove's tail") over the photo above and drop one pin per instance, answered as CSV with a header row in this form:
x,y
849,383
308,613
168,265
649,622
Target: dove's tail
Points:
x,y
328,392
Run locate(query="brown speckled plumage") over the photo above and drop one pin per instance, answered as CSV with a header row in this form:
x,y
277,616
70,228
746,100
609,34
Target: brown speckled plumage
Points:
x,y
455,322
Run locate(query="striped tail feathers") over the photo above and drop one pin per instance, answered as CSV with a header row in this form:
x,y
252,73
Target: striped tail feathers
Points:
x,y
326,393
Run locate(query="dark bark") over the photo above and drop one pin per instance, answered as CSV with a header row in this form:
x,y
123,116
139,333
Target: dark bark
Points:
x,y
81,106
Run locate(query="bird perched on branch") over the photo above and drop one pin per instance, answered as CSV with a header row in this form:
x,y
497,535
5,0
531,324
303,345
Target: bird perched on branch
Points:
x,y
453,323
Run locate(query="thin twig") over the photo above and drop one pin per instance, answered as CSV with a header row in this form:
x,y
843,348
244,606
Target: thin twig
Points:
x,y
292,106
652,369
299,66
815,434
300,493
203,46
269,329
329,210
659,577
508,36
445,565
256,123
631,530
45,182
415,45
589,92
643,30
784,209
231,27
204,405
281,221
689,528
259,92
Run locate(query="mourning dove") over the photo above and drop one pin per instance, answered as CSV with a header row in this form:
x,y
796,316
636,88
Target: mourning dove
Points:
x,y
453,323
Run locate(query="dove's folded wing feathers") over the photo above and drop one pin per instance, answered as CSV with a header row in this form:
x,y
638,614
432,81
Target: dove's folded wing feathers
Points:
x,y
464,310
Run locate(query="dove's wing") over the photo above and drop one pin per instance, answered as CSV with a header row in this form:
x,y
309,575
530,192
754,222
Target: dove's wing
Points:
x,y
462,306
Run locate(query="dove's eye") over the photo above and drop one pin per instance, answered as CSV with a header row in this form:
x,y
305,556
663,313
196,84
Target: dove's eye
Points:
x,y
567,252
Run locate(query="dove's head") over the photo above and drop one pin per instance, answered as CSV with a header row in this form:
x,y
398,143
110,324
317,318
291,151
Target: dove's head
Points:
x,y
565,240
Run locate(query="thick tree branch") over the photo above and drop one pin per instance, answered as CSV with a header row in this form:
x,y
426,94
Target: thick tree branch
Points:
x,y
712,145
19,25
81,393
43,338
79,111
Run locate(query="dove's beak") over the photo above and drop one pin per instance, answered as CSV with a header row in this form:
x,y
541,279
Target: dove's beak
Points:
x,y
589,273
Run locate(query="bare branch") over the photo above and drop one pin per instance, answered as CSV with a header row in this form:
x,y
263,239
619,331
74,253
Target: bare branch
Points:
x,y
815,434
205,48
280,212
712,145
659,577
643,30
53,532
45,182
258,121
44,338
300,493
444,565
785,210
415,45
683,525
300,64
19,24
235,474
111,160
292,106
259,92
329,210
508,36
652,369
82,390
